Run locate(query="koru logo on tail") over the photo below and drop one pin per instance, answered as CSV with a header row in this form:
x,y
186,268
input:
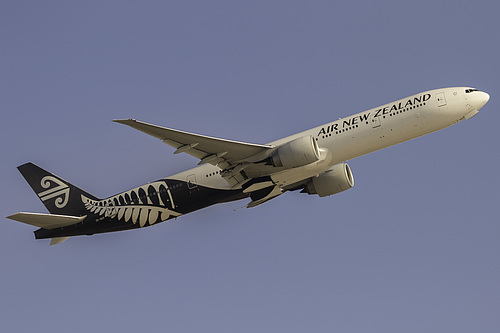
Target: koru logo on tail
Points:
x,y
55,189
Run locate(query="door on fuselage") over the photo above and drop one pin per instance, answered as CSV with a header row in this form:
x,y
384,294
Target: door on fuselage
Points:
x,y
376,122
191,181
441,99
110,209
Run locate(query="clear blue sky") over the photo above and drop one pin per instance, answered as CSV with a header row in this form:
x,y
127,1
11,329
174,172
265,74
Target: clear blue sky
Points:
x,y
413,247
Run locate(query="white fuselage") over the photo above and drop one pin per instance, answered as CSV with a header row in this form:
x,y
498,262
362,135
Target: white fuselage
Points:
x,y
366,132
311,161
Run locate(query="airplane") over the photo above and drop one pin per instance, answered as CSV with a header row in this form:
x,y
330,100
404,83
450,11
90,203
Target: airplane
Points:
x,y
313,161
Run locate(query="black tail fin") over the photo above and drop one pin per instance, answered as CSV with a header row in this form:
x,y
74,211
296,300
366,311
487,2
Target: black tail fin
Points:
x,y
58,196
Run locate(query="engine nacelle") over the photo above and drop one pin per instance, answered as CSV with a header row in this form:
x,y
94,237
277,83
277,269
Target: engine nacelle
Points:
x,y
334,180
296,153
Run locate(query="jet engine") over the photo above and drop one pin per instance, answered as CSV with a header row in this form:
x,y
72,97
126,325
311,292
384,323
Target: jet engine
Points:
x,y
296,153
334,180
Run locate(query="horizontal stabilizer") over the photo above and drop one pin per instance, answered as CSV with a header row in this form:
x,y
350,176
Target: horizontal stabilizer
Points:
x,y
46,221
57,240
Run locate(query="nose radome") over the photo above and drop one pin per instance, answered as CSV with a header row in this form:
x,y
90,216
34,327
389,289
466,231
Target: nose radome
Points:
x,y
480,99
486,98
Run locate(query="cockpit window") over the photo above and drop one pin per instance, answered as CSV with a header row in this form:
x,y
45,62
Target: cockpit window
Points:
x,y
470,90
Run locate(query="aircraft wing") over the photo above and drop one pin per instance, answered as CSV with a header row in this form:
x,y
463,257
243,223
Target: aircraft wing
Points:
x,y
207,149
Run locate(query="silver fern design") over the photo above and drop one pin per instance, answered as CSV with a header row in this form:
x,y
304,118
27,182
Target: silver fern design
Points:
x,y
55,189
147,204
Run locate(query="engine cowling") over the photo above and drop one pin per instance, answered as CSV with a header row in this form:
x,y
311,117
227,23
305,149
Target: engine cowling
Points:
x,y
296,153
334,180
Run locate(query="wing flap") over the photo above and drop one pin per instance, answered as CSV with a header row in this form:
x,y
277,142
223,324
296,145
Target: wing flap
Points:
x,y
46,221
264,195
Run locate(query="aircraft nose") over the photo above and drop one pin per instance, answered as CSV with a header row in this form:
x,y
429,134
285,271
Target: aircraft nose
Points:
x,y
480,99
485,97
